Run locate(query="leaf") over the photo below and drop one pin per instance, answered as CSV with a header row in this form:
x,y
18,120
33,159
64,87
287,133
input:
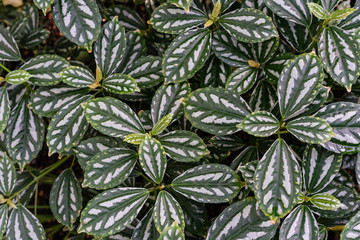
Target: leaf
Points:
x,y
146,71
293,10
248,171
112,117
24,134
352,22
183,146
337,50
153,159
44,5
31,13
79,21
127,17
7,176
23,225
35,38
242,220
317,10
329,4
9,49
260,124
135,138
24,181
45,69
3,219
17,77
4,108
325,201
351,230
274,67
242,79
342,13
109,49
120,83
77,77
172,232
47,101
229,142
186,54
162,124
166,211
209,183
65,198
67,127
215,110
319,168
168,18
248,25
299,83
277,180
146,228
213,73
225,4
111,211
300,224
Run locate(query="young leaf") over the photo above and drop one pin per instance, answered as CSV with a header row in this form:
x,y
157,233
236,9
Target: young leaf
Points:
x,y
241,220
135,138
79,21
325,201
77,77
185,4
260,124
65,198
146,228
44,5
7,175
9,49
352,22
277,180
209,183
17,77
111,211
186,54
120,83
351,230
3,219
162,124
153,159
4,108
172,232
112,117
109,168
342,13
215,110
317,10
242,79
166,211
248,25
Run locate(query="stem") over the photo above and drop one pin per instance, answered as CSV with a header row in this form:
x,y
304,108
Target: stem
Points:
x,y
316,39
38,207
337,228
147,179
5,68
36,197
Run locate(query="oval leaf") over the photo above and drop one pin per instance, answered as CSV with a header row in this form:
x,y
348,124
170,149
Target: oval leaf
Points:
x,y
119,83
77,77
17,77
7,175
351,230
9,49
242,79
260,124
325,201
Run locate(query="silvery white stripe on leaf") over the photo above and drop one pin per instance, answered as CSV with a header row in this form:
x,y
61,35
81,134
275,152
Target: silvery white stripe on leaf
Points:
x,y
264,97
23,225
260,124
208,183
277,180
19,28
214,73
78,20
248,25
3,219
242,220
167,99
146,228
4,108
186,54
319,168
45,69
9,50
299,83
352,228
242,79
77,77
357,168
215,110
111,211
152,158
248,171
352,22
169,18
67,127
30,12
166,211
338,52
120,83
109,48
17,77
274,67
259,4
263,51
24,134
300,224
109,168
35,38
127,17
112,117
24,179
43,4
325,201
65,198
227,142
317,10
292,10
329,4
7,175
172,232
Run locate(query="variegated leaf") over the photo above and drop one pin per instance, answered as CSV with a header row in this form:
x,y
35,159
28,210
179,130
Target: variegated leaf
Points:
x,y
4,108
329,4
146,228
35,38
67,127
247,155
209,183
17,77
23,225
44,5
9,50
186,54
77,77
242,79
7,175
24,181
248,25
317,10
352,22
248,171
79,21
112,210
341,13
242,220
274,67
135,138
112,117
300,224
325,201
277,180
65,198
169,18
338,51
3,219
264,97
120,83
299,83
127,17
109,168
227,142
214,73
184,4
260,124
215,110
351,230
162,124
166,211
152,158
45,69
172,232
183,146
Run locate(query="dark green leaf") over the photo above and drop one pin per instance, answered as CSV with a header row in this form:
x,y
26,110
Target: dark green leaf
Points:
x,y
127,17
3,219
77,77
351,230
120,83
7,175
35,38
9,49
260,124
172,232
146,229
4,108
242,79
